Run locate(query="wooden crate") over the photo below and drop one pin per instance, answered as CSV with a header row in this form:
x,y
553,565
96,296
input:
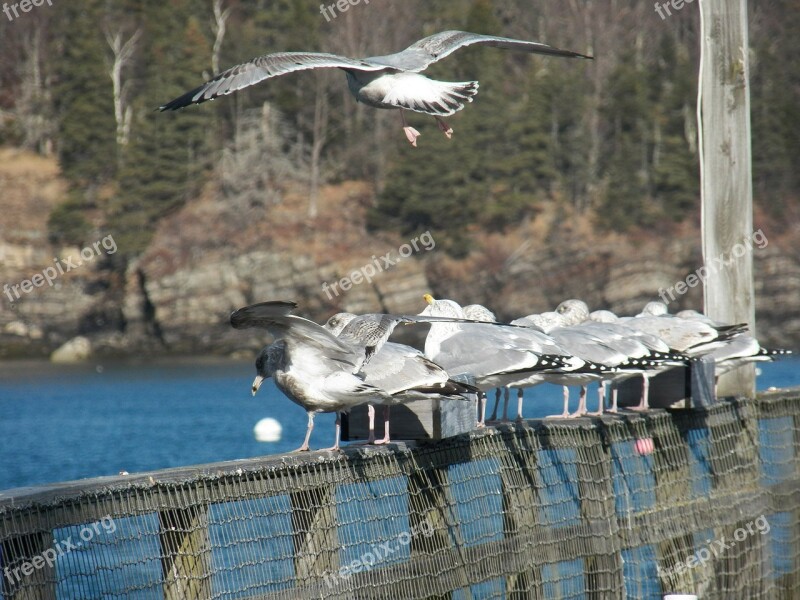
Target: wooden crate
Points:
x,y
681,387
417,420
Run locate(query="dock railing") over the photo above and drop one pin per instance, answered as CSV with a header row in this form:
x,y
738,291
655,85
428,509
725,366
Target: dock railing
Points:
x,y
705,501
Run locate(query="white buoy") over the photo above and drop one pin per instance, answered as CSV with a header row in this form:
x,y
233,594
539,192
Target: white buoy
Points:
x,y
268,430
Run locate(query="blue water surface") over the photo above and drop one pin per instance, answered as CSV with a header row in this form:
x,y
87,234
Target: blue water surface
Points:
x,y
59,423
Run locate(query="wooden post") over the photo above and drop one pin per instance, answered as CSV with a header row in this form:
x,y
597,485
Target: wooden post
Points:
x,y
28,567
186,560
316,542
430,507
723,111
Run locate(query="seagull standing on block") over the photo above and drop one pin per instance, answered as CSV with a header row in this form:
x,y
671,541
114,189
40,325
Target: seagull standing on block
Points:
x,y
392,81
313,367
400,370
324,372
495,355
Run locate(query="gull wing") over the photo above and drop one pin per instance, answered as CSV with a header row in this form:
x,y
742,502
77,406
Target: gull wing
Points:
x,y
265,67
420,55
297,331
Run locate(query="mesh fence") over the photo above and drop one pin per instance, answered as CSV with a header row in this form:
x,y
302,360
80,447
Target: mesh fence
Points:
x,y
634,506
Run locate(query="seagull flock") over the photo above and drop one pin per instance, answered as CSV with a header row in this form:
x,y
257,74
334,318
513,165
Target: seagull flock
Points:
x,y
393,81
349,361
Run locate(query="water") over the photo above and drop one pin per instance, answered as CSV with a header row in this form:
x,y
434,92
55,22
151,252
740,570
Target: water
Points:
x,y
64,423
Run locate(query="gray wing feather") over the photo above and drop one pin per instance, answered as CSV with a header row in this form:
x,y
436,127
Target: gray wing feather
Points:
x,y
373,330
265,67
464,353
275,318
397,368
427,51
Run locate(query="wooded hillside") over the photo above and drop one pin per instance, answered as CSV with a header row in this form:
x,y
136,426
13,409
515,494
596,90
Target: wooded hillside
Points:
x,y
610,143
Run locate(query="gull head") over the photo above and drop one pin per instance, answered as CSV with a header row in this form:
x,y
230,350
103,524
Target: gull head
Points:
x,y
546,321
573,312
338,322
270,359
655,309
441,308
603,316
477,312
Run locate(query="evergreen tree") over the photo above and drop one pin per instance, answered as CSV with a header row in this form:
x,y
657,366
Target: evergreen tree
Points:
x,y
626,202
675,170
86,127
83,97
169,152
457,188
775,96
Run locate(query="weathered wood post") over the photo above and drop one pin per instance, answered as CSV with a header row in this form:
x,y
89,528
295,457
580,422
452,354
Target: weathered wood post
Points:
x,y
316,542
28,567
186,559
723,111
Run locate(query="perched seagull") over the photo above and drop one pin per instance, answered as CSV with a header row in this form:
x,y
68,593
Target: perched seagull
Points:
x,y
310,365
392,81
600,357
478,312
495,355
400,370
647,354
739,350
313,367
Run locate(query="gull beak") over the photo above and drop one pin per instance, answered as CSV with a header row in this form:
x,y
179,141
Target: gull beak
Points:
x,y
429,299
257,383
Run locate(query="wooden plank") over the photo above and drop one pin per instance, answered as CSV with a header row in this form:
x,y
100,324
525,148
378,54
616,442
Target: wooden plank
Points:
x,y
89,500
430,507
316,544
726,174
525,547
681,387
604,569
417,420
520,517
519,553
186,553
28,564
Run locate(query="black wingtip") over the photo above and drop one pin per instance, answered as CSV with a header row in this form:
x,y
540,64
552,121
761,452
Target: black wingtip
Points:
x,y
191,97
253,315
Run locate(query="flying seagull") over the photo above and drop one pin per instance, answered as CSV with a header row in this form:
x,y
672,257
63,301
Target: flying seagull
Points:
x,y
391,81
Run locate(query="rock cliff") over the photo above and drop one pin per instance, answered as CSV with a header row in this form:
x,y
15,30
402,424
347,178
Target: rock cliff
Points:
x,y
215,255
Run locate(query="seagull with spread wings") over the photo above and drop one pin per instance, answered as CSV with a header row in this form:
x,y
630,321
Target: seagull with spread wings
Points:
x,y
393,81
327,372
400,370
309,364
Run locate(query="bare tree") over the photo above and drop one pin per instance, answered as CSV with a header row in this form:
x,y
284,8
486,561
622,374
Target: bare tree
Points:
x,y
34,96
220,21
123,52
